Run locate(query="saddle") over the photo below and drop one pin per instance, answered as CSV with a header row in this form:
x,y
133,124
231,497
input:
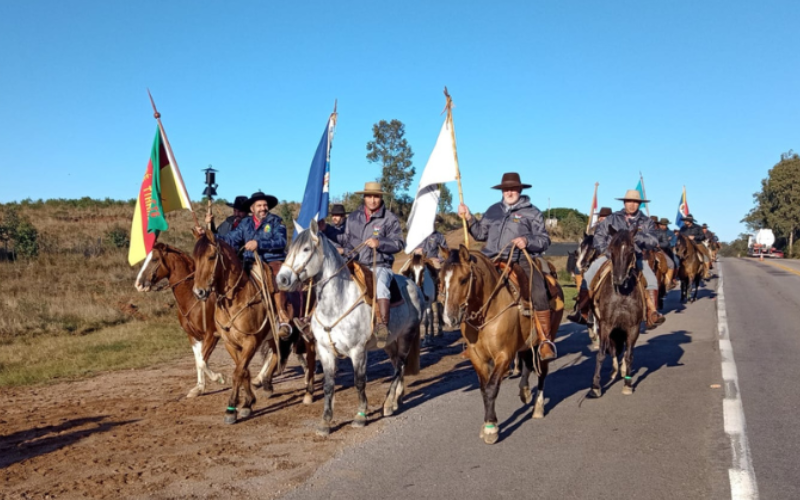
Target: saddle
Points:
x,y
365,280
521,287
605,272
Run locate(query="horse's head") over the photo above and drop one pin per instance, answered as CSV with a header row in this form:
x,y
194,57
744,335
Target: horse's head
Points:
x,y
211,259
154,269
415,270
623,255
455,285
585,251
304,259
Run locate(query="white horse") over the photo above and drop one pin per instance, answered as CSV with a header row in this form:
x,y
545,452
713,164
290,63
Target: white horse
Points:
x,y
422,272
341,322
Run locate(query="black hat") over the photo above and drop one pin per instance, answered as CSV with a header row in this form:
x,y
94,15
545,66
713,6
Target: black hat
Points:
x,y
688,218
604,212
705,226
258,196
511,180
240,203
337,209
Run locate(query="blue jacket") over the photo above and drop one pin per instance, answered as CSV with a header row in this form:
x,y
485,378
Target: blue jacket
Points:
x,y
270,235
335,234
384,226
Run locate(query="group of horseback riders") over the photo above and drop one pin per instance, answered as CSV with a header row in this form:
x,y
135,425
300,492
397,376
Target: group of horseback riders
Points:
x,y
513,230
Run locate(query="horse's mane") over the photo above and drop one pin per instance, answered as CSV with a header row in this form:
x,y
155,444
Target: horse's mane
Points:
x,y
177,251
227,251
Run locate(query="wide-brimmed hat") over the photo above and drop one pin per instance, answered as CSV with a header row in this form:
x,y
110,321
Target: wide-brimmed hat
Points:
x,y
258,196
372,188
633,195
688,218
604,212
654,218
705,226
511,180
240,203
337,209
664,221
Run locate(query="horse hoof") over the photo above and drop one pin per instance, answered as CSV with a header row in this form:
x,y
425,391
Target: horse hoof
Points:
x,y
268,392
627,390
230,417
245,412
220,380
595,393
308,399
525,395
324,430
258,383
197,391
490,434
359,422
538,412
388,411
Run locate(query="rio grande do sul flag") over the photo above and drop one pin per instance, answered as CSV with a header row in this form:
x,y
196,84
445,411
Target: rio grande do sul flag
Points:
x,y
683,209
162,191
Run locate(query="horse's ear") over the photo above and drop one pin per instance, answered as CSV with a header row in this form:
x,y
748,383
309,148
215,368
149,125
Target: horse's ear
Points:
x,y
313,228
463,253
196,233
443,252
210,235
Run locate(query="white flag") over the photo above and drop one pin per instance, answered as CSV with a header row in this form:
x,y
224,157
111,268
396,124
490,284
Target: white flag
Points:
x,y
441,168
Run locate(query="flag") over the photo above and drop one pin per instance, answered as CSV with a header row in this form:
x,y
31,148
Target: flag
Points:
x,y
315,199
441,168
640,188
162,191
683,210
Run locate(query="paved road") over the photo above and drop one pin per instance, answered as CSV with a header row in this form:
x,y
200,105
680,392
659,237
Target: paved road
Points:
x,y
763,304
665,441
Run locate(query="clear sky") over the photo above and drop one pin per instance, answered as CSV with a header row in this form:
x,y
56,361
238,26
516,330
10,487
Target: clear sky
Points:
x,y
568,93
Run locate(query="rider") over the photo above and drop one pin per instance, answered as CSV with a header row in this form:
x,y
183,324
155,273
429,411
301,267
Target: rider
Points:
x,y
666,241
335,230
645,239
696,233
373,225
264,233
601,216
511,225
240,210
429,248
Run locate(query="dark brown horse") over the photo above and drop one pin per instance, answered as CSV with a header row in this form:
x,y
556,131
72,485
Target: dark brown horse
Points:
x,y
476,297
619,308
692,268
658,263
245,316
170,263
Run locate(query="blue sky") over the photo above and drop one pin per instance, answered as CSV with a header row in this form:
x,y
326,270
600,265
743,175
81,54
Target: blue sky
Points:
x,y
689,93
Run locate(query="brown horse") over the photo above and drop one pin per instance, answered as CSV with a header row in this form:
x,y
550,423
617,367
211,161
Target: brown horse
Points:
x,y
618,303
692,267
245,316
658,263
478,298
170,263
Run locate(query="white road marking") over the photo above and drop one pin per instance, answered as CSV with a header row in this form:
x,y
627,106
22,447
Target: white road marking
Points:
x,y
741,474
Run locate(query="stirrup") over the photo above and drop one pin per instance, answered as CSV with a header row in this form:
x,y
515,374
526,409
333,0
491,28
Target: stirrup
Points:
x,y
304,325
284,331
552,346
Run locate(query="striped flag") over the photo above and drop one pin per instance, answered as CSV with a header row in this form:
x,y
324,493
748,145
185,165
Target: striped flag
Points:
x,y
162,191
315,198
683,209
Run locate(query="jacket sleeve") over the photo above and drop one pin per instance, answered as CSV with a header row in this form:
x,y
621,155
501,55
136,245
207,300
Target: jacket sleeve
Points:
x,y
538,239
699,236
392,241
601,237
234,237
274,239
441,241
645,237
479,229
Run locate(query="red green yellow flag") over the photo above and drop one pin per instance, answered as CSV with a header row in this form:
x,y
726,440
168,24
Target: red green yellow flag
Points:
x,y
162,191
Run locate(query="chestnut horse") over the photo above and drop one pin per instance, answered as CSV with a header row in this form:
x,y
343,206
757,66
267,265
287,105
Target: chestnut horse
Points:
x,y
170,263
244,315
422,272
478,298
692,268
658,263
619,308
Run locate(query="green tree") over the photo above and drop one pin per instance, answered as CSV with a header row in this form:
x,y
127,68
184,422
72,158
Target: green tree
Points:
x,y
391,151
777,204
445,199
735,248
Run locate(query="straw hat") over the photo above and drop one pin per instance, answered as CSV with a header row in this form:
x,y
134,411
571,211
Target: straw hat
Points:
x,y
633,195
372,188
511,180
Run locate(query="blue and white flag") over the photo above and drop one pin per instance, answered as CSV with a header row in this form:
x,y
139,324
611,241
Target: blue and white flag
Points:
x,y
683,210
315,199
640,188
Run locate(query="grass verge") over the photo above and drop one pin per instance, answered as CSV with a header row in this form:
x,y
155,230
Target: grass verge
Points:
x,y
48,358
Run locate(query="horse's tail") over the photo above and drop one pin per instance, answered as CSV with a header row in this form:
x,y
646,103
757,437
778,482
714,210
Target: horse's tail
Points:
x,y
412,361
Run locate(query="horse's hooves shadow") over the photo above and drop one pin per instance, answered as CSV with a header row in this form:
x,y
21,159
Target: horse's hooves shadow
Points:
x,y
523,414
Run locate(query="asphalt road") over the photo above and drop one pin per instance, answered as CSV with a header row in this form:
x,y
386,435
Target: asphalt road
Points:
x,y
665,441
763,304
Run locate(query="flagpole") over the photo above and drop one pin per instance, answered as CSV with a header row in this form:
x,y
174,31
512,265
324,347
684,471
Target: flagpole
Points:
x,y
449,108
157,116
591,210
644,193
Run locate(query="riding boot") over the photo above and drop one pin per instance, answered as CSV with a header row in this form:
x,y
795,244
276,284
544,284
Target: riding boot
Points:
x,y
285,312
547,350
580,314
654,318
669,276
381,330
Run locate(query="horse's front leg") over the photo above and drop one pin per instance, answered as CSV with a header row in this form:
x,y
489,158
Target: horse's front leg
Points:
x,y
309,372
328,361
209,343
491,429
601,357
359,359
250,345
395,352
538,408
525,365
264,378
481,366
627,362
236,383
200,368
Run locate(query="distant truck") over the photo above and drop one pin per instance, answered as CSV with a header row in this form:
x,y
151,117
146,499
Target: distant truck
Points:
x,y
760,245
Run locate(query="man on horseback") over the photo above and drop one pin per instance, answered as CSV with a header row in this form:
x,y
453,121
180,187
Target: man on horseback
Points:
x,y
507,227
645,239
666,241
696,234
264,234
240,207
429,248
336,229
373,226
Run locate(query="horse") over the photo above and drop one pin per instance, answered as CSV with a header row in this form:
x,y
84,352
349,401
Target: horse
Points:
x,y
342,321
657,259
478,298
692,267
245,316
618,303
422,272
170,263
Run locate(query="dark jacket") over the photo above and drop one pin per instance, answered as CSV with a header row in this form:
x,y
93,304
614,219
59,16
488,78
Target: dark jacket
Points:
x,y
666,238
430,247
382,225
335,233
645,238
501,224
695,231
226,227
270,235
